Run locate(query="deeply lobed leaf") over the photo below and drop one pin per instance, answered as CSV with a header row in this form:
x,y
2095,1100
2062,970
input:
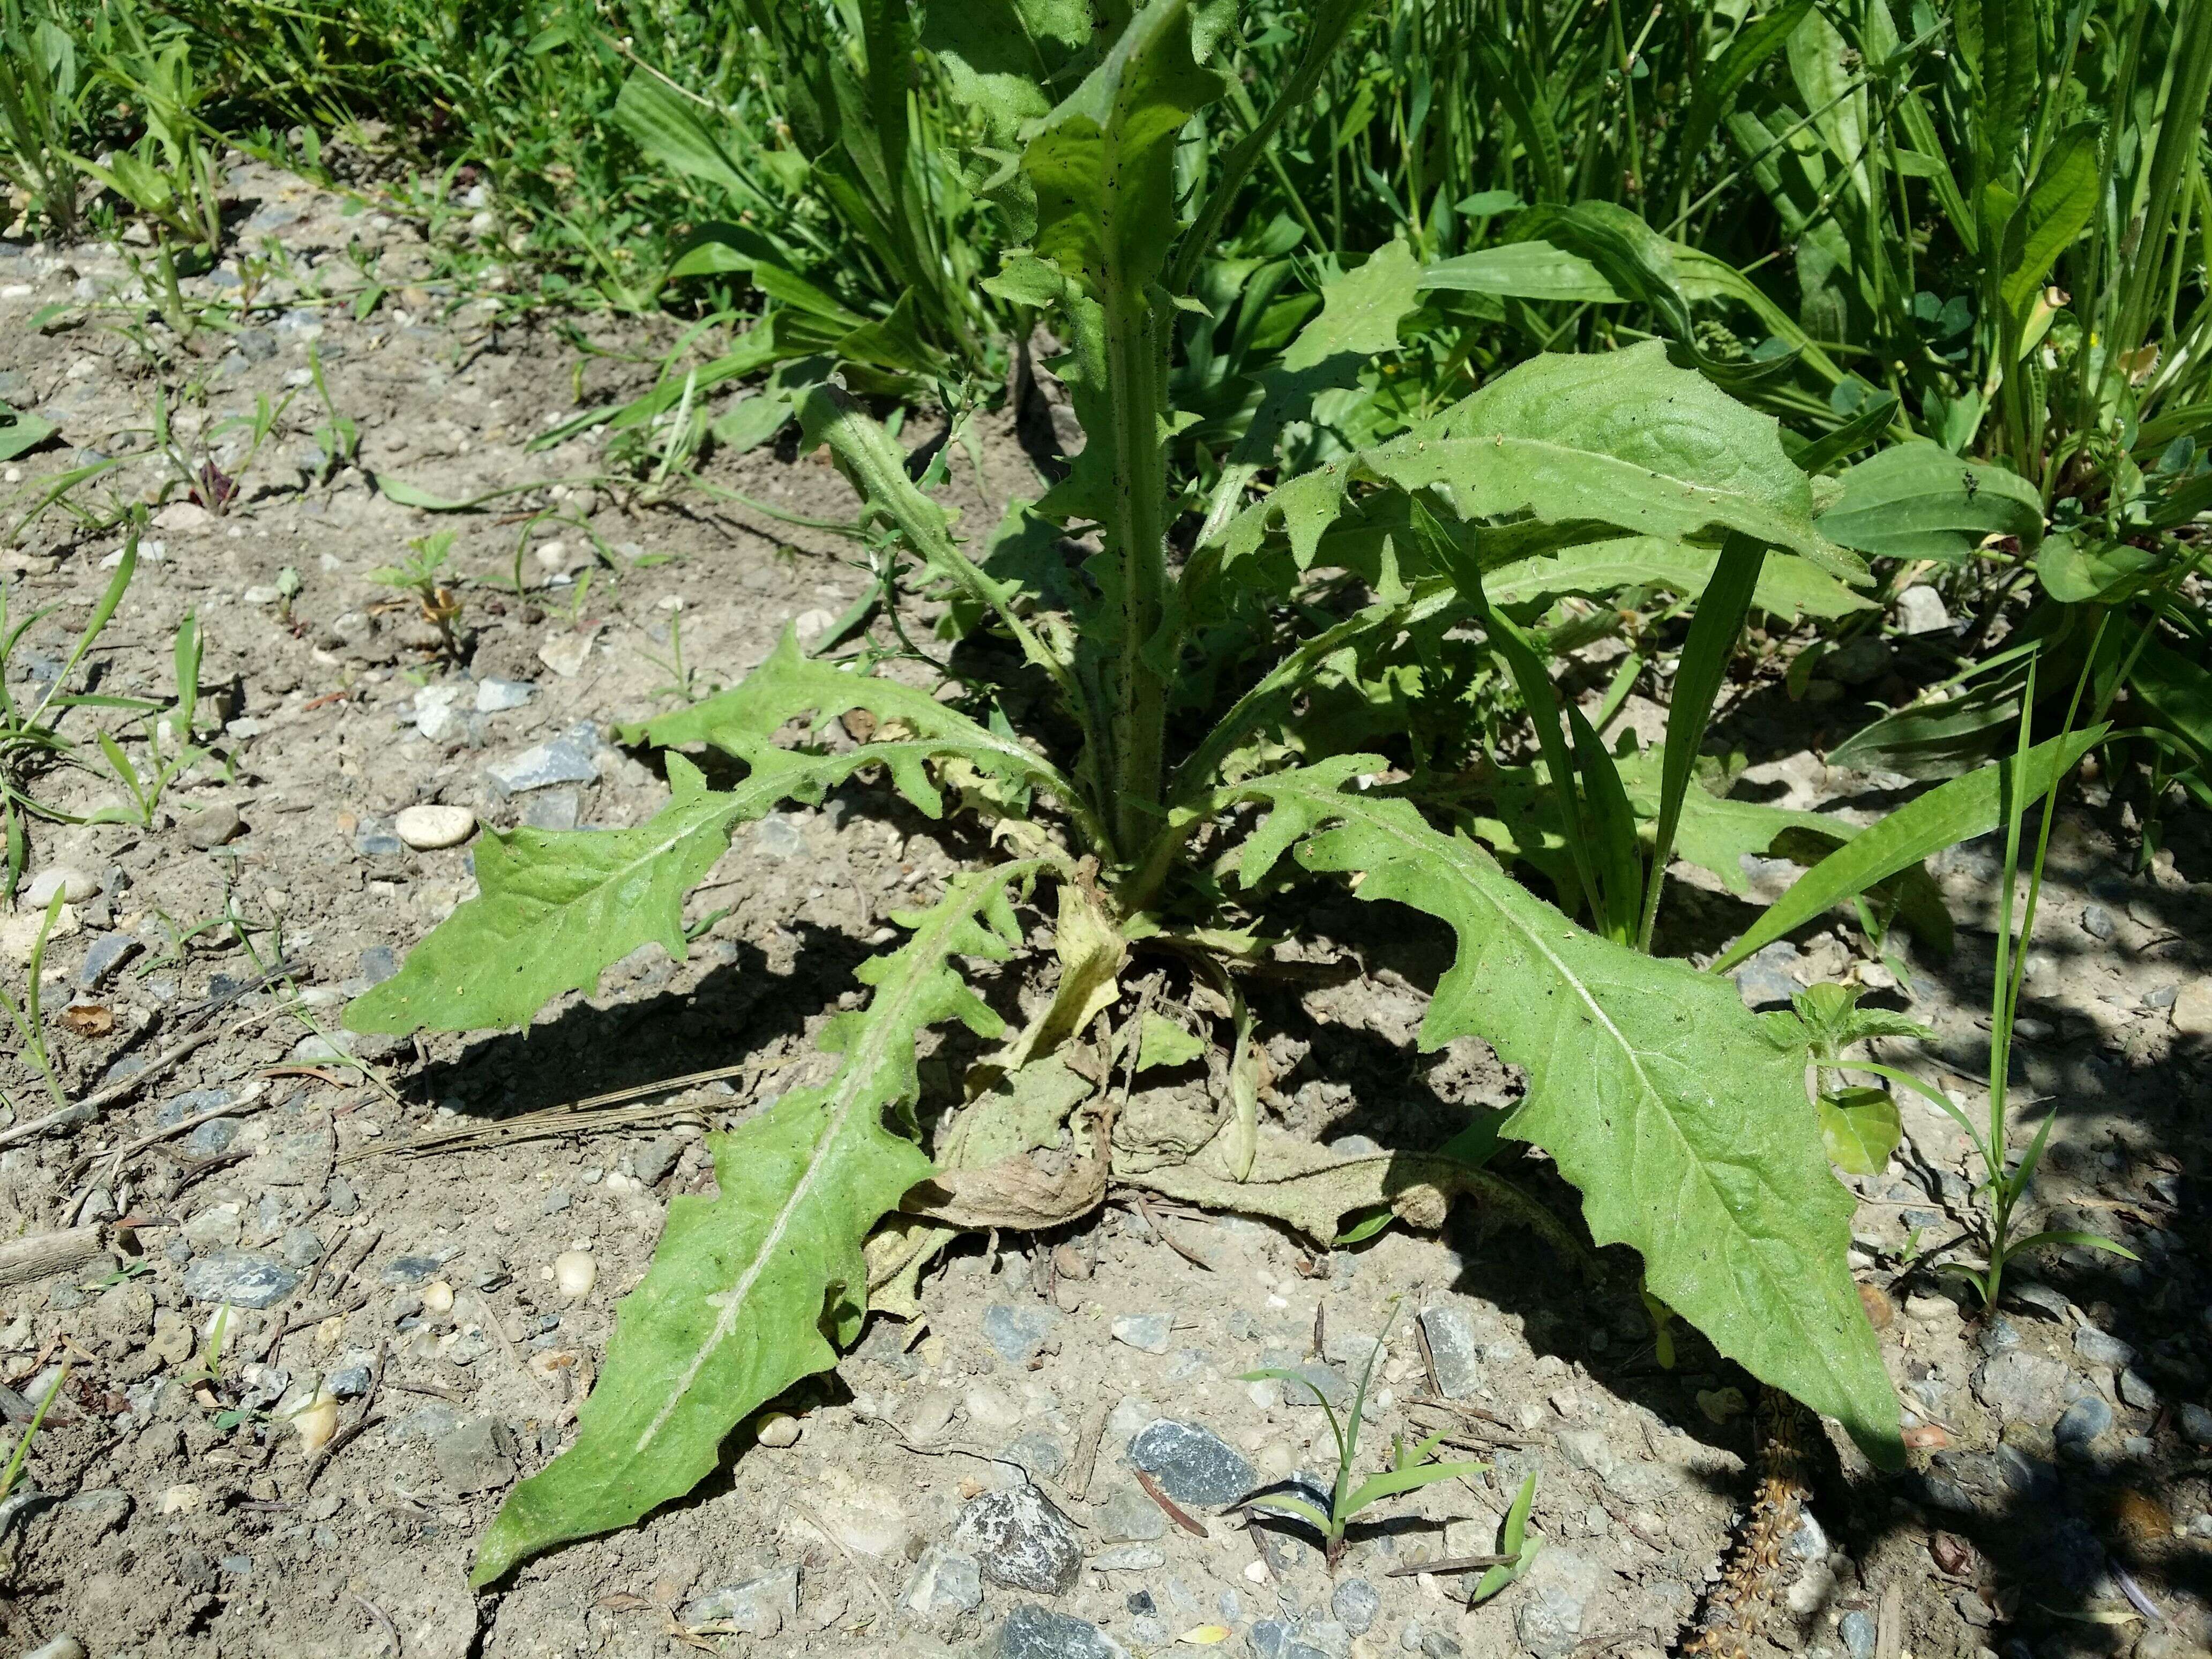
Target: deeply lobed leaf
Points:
x,y
1682,1116
748,1287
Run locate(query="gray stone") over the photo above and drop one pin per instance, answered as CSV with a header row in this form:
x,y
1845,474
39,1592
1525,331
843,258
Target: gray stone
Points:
x,y
2018,1385
1454,1347
1324,1637
413,1269
244,1278
105,955
2081,1423
1020,1539
347,1382
1192,1465
1019,1334
2162,996
1555,1595
344,1200
497,697
375,838
653,1162
476,1455
1590,1449
1127,1558
211,826
759,1606
1766,981
2196,1424
1857,1630
1041,1455
944,1584
556,809
2030,1296
1268,1637
1128,1516
302,1247
2135,1389
1330,1383
2097,921
778,836
1148,1332
1920,611
1435,1645
1355,1605
1034,1633
2100,1348
565,759
377,963
211,1137
258,345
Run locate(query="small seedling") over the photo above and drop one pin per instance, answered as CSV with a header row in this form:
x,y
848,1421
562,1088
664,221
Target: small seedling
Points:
x,y
419,574
27,1018
14,1472
1408,1470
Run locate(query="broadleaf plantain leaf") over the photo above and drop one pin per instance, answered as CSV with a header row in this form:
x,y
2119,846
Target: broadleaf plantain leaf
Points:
x,y
1682,1116
745,1285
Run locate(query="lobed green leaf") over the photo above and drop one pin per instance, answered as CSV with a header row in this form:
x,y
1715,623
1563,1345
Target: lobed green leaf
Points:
x,y
748,1287
1681,1115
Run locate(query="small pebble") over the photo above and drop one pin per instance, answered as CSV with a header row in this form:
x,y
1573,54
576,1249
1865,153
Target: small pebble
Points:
x,y
776,1430
61,1647
426,829
575,1272
438,1298
211,826
74,885
316,1422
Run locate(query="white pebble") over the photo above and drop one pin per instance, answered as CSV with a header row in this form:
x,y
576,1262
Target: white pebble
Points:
x,y
426,829
575,1272
438,1298
72,884
180,1500
776,1430
316,1422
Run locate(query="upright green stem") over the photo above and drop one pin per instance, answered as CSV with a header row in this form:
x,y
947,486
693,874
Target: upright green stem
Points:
x,y
1136,380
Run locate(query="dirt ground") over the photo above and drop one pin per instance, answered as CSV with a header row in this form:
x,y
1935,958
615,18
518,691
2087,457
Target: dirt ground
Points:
x,y
2059,1501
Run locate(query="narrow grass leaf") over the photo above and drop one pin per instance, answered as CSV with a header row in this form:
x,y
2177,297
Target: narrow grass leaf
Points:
x,y
1949,813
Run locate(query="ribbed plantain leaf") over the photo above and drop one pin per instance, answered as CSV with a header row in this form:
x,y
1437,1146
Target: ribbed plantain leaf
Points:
x,y
1624,438
748,1287
1682,1116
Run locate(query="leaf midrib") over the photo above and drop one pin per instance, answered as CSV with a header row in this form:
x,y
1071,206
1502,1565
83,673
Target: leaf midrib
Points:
x,y
1342,808
861,1063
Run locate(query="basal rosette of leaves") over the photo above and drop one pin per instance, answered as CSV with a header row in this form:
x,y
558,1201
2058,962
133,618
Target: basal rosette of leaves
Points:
x,y
1179,790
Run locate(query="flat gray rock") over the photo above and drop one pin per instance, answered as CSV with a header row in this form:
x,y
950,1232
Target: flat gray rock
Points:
x,y
944,1584
759,1606
1453,1347
1040,1634
244,1278
1192,1464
